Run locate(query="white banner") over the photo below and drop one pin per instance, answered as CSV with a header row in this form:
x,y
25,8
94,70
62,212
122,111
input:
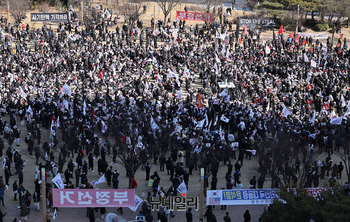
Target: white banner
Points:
x,y
314,35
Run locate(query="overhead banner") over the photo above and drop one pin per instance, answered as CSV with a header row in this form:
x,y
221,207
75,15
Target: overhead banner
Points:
x,y
93,198
194,16
253,22
314,35
242,197
49,17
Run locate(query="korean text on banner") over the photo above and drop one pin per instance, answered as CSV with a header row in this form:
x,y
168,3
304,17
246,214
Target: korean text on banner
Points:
x,y
242,197
94,198
194,16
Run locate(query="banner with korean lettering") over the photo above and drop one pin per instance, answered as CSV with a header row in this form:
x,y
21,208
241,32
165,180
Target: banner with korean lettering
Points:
x,y
242,197
194,16
312,192
93,198
49,17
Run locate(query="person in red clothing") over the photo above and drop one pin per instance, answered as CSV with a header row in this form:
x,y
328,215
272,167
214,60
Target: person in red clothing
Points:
x,y
134,183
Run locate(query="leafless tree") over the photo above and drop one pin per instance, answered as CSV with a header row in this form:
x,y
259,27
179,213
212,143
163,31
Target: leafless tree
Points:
x,y
131,10
18,9
210,5
167,6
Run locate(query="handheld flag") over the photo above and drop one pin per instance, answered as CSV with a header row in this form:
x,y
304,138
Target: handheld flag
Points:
x,y
336,121
179,94
285,111
312,121
101,180
182,188
4,163
54,214
280,31
245,30
200,102
36,172
138,201
291,35
57,180
84,108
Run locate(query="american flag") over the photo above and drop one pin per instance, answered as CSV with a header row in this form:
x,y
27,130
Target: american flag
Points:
x,y
214,201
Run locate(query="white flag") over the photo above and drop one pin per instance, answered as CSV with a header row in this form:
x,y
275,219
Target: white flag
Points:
x,y
36,172
306,59
285,111
103,126
223,118
84,108
30,110
216,120
206,120
313,64
57,180
22,93
154,126
222,134
337,121
333,115
179,94
251,113
101,180
312,121
138,201
224,93
200,124
54,214
67,89
58,122
343,103
4,163
267,50
182,188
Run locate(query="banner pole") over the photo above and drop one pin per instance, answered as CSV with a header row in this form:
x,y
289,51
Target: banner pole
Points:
x,y
43,193
201,196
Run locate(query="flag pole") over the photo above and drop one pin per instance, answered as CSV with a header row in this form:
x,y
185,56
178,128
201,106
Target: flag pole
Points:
x,y
201,196
43,193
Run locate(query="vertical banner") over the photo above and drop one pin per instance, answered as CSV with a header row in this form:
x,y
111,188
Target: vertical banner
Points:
x,y
194,16
93,198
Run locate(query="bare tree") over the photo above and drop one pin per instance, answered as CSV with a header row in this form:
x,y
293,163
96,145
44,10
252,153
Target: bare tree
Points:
x,y
210,5
19,9
167,6
129,154
131,10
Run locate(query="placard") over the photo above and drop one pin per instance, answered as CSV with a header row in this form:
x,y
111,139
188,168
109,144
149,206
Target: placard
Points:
x,y
93,197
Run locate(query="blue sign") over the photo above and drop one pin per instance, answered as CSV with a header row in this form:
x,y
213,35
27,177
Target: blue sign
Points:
x,y
242,197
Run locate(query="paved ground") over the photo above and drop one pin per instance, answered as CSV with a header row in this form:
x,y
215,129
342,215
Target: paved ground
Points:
x,y
249,169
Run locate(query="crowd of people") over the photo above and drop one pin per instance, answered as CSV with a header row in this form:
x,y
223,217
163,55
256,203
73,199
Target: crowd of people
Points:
x,y
99,92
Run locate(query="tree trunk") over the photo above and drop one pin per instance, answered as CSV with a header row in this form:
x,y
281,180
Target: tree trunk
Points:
x,y
312,15
130,180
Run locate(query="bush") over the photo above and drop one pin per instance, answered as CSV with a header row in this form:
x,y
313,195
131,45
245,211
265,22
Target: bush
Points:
x,y
311,23
321,27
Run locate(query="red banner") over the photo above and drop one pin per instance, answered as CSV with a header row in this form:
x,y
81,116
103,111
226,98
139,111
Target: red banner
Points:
x,y
93,198
194,16
313,192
